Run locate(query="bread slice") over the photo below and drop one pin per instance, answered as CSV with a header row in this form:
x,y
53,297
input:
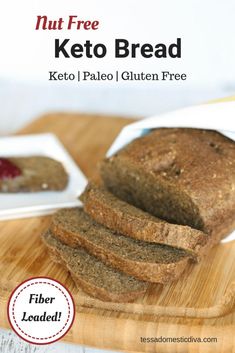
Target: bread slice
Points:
x,y
185,176
145,261
37,173
113,213
92,275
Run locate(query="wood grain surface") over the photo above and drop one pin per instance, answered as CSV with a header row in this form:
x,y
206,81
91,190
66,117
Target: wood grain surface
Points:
x,y
201,304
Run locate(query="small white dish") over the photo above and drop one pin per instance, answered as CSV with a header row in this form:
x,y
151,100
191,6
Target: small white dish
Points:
x,y
20,205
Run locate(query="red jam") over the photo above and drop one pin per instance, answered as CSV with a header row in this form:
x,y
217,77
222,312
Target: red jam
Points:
x,y
8,169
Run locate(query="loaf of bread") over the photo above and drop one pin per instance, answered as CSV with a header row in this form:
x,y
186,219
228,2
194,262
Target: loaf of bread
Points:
x,y
167,198
31,174
121,217
184,176
92,275
145,261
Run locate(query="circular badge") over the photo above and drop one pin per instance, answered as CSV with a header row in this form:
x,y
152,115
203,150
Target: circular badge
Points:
x,y
41,310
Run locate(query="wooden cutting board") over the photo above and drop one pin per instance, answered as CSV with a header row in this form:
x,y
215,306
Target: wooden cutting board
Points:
x,y
200,305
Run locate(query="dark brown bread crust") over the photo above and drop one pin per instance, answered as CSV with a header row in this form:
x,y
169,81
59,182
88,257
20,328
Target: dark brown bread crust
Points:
x,y
126,219
185,176
92,276
145,261
39,173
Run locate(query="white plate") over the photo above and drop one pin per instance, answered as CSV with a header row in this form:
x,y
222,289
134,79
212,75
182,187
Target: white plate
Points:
x,y
21,205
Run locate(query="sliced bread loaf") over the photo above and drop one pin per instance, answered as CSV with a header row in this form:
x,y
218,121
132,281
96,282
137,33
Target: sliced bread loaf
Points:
x,y
31,174
108,210
143,260
185,176
92,275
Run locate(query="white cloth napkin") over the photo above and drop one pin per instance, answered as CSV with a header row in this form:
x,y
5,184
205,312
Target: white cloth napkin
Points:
x,y
217,116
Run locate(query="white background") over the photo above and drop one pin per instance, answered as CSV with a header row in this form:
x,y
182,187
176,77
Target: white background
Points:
x,y
206,27
207,30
